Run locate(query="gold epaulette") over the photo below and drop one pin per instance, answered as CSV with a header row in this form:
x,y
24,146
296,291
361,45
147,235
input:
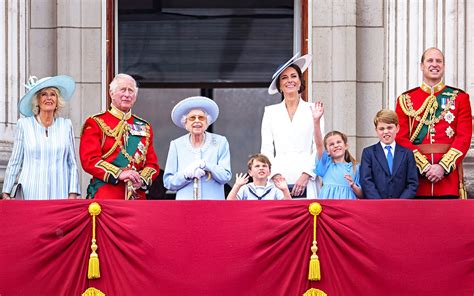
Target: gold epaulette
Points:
x,y
91,117
147,174
98,114
422,162
448,161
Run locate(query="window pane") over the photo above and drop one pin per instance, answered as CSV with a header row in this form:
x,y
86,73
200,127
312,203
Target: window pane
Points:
x,y
209,42
240,120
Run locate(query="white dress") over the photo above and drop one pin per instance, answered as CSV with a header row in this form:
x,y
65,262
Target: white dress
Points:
x,y
47,163
289,144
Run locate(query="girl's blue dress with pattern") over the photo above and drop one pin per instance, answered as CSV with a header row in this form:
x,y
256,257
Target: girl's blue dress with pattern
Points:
x,y
335,186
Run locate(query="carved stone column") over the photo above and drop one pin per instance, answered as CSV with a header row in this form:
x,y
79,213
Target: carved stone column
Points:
x,y
12,72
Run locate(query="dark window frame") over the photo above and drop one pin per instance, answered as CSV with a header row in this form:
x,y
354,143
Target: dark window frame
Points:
x,y
111,17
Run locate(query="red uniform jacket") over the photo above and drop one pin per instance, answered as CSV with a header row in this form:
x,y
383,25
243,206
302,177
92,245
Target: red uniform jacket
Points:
x,y
437,125
110,145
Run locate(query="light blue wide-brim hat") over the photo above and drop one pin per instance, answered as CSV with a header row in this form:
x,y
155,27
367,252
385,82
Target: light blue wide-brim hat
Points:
x,y
186,105
63,83
302,62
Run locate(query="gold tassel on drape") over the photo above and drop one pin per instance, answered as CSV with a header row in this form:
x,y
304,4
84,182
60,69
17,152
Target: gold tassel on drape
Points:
x,y
314,268
92,292
94,267
314,292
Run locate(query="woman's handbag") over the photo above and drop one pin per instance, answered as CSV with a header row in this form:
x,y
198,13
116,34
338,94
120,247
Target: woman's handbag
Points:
x,y
17,192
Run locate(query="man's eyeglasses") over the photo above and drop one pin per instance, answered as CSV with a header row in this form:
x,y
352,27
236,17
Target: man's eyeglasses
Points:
x,y
198,117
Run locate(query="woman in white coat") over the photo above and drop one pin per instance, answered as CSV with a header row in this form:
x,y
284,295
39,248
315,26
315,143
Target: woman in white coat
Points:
x,y
287,130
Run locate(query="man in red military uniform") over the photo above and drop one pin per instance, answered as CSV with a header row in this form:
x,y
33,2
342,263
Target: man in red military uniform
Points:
x,y
117,147
436,123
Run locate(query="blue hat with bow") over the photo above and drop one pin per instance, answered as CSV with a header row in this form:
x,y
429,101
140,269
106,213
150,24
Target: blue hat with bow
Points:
x,y
65,84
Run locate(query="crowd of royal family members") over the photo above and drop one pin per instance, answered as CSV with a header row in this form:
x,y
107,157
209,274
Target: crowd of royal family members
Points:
x,y
419,154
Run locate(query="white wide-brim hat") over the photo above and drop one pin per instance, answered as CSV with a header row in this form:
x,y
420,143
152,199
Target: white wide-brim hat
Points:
x,y
302,62
63,83
185,106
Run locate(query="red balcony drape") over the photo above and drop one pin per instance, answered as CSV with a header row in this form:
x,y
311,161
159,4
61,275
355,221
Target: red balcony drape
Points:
x,y
390,247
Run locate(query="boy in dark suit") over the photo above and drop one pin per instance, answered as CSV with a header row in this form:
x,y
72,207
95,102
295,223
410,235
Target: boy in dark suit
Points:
x,y
387,169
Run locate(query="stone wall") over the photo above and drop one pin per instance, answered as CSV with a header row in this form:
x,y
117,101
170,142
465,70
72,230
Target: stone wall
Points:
x,y
12,72
47,38
348,68
69,36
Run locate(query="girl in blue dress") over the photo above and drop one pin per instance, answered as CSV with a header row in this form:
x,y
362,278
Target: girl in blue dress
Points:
x,y
334,164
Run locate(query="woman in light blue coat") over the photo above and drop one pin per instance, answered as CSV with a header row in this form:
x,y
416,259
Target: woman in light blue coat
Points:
x,y
43,157
198,163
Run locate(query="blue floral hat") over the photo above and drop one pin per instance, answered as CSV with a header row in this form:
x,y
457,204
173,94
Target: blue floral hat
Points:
x,y
302,62
63,83
183,107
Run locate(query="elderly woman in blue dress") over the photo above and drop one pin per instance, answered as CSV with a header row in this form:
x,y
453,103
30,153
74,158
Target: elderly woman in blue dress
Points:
x,y
43,152
198,163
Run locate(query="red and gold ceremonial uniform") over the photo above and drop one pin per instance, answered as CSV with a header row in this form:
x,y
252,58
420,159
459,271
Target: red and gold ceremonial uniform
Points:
x,y
436,123
112,142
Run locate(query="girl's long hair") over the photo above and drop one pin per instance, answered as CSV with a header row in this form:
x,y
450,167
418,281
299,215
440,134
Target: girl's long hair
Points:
x,y
347,155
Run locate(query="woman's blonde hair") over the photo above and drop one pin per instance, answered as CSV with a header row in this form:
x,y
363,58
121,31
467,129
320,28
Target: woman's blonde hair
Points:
x,y
347,155
35,101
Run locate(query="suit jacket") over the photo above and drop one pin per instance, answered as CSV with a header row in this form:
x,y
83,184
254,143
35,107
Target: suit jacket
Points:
x,y
375,177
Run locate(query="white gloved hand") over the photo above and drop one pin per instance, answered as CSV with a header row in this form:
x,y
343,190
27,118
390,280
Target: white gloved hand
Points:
x,y
197,164
189,172
198,173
